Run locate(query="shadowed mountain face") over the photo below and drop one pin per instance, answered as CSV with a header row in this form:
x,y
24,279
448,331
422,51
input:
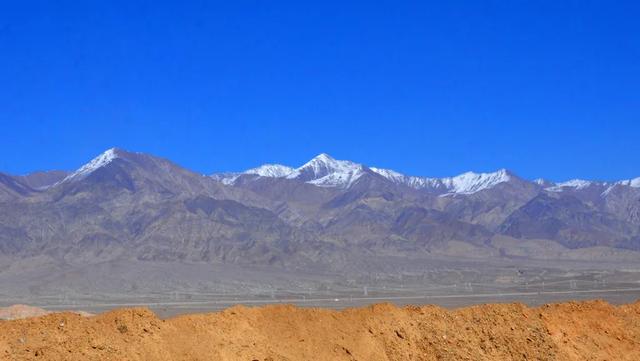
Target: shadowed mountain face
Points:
x,y
326,214
12,188
43,180
571,222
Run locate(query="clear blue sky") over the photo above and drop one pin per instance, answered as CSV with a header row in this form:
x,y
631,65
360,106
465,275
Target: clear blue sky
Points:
x,y
544,88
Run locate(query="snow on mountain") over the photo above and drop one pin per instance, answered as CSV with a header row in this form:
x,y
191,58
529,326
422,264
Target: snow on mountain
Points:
x,y
576,184
228,178
100,161
411,181
325,171
271,170
580,184
465,183
471,182
391,175
544,182
634,183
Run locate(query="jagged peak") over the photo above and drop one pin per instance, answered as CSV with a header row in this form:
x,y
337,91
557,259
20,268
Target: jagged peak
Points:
x,y
321,170
468,182
573,184
472,182
501,173
98,162
634,183
323,157
324,170
325,160
388,173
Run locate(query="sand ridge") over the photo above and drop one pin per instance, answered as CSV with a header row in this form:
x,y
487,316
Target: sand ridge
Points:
x,y
593,330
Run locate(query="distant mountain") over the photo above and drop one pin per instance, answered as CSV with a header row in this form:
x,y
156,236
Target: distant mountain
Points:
x,y
11,187
466,183
118,170
271,170
42,180
322,170
325,171
571,222
325,214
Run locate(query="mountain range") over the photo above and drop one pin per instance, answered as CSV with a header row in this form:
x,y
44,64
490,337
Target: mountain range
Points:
x,y
326,214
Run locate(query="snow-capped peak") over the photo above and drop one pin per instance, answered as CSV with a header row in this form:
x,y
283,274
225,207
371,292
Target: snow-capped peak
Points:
x,y
471,182
390,174
465,183
410,181
573,183
98,162
634,183
271,170
580,184
323,164
324,170
266,170
322,161
323,158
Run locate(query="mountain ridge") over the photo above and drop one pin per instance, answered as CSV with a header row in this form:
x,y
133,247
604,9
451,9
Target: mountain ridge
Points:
x,y
349,171
461,183
136,205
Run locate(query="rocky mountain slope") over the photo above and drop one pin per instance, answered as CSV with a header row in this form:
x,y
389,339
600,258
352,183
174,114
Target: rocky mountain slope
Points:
x,y
326,213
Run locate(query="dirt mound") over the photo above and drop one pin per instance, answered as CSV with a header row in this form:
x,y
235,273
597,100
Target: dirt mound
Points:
x,y
571,331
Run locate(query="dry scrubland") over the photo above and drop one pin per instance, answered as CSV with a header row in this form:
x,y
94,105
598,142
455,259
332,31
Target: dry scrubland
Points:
x,y
592,330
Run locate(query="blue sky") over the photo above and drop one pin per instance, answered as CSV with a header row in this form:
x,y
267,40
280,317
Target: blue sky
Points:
x,y
544,88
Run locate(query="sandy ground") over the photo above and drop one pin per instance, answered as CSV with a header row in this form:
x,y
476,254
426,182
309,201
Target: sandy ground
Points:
x,y
593,330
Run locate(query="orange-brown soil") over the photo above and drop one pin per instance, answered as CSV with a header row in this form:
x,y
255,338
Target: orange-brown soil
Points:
x,y
592,330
